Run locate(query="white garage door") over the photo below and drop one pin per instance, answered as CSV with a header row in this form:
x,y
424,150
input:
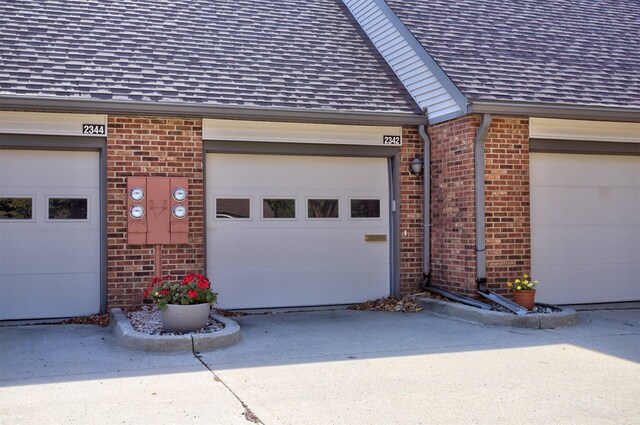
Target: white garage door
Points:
x,y
585,223
289,231
49,234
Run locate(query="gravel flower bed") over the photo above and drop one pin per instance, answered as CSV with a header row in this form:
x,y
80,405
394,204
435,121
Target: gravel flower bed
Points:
x,y
147,320
538,309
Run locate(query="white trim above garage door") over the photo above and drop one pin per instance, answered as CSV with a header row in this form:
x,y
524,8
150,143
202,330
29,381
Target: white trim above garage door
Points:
x,y
50,262
257,260
53,124
595,131
288,132
585,225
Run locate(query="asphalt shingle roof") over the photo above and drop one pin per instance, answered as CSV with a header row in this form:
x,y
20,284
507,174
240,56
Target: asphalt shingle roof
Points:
x,y
285,54
553,51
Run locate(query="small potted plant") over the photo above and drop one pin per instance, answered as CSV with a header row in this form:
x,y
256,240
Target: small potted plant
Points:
x,y
524,292
184,305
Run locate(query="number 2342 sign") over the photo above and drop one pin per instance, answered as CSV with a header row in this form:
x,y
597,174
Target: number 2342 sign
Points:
x,y
391,140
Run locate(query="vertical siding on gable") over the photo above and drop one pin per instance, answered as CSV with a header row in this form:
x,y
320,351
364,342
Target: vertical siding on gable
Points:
x,y
425,88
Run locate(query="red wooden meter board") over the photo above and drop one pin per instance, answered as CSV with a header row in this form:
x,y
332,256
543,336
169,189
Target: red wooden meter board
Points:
x,y
157,210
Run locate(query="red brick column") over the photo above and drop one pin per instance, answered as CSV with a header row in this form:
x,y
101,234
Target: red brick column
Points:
x,y
452,205
508,233
507,201
411,204
150,146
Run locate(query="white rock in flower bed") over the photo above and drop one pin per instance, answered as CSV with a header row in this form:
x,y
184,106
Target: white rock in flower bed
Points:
x,y
147,320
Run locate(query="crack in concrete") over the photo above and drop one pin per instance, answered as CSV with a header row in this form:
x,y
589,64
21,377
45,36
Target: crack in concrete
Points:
x,y
248,414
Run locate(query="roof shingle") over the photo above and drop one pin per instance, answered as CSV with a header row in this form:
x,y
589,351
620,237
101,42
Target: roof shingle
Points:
x,y
581,52
271,54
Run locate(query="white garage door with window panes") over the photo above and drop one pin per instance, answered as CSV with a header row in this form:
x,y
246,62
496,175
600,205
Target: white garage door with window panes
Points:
x,y
49,234
285,231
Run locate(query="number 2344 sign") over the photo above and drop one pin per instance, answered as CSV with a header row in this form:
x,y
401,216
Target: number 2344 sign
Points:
x,y
93,129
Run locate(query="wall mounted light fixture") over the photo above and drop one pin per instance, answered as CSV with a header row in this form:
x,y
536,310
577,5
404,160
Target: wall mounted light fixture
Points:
x,y
415,167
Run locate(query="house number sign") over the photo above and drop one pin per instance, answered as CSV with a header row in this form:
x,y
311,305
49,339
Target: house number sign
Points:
x,y
391,140
93,129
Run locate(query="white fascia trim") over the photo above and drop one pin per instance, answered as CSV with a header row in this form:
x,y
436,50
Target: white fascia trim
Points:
x,y
54,124
286,132
595,131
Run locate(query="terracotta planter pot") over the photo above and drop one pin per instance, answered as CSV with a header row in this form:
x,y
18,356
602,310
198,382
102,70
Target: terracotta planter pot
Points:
x,y
525,298
184,318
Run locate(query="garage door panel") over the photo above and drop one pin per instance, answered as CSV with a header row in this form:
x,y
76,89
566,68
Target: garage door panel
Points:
x,y
299,286
261,262
50,290
300,247
61,256
49,252
597,206
586,245
587,283
272,173
585,227
50,169
577,170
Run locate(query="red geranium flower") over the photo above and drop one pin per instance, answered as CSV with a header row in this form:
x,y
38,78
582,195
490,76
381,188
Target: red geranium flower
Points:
x,y
164,292
187,279
192,293
203,284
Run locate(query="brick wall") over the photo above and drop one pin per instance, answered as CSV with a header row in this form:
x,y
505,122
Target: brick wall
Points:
x,y
507,201
150,146
452,205
156,146
411,229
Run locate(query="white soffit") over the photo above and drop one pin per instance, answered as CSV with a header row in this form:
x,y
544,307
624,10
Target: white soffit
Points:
x,y
429,86
12,122
593,131
285,132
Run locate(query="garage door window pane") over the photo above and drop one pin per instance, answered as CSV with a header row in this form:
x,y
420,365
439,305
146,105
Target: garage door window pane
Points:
x,y
16,208
322,208
227,208
68,208
365,208
278,208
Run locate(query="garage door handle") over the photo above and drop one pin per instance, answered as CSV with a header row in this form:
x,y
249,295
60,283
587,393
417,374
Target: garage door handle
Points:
x,y
375,238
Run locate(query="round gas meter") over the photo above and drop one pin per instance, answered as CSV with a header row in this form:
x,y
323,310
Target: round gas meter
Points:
x,y
136,211
179,211
137,194
179,194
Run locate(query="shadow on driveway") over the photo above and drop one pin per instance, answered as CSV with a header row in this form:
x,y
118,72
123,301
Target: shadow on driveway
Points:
x,y
342,367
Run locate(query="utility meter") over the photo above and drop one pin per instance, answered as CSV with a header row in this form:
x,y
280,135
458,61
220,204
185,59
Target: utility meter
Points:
x,y
179,194
179,211
136,211
137,194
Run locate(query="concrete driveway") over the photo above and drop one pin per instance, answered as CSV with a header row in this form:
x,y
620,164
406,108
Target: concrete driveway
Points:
x,y
332,367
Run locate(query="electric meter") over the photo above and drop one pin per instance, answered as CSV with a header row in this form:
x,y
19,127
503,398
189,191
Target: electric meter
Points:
x,y
136,211
179,211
